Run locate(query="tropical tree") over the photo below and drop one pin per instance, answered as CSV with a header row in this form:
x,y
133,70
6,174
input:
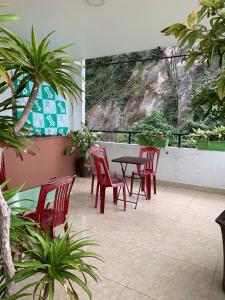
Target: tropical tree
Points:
x,y
205,43
30,61
35,62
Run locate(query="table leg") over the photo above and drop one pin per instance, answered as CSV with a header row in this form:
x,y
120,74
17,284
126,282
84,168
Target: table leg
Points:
x,y
140,188
124,176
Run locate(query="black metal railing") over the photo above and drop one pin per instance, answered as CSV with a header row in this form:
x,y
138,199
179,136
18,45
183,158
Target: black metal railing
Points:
x,y
132,133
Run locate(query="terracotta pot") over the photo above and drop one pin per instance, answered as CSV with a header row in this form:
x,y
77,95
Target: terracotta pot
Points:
x,y
83,167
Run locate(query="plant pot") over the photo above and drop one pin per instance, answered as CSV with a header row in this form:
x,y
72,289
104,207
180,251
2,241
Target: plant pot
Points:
x,y
160,143
211,145
83,167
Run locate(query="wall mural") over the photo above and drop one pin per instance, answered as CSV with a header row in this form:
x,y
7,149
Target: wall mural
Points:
x,y
49,114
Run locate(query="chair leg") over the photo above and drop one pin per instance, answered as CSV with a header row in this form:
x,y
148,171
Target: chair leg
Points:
x,y
124,197
131,184
51,231
148,186
154,183
115,195
96,196
66,227
143,183
92,183
102,197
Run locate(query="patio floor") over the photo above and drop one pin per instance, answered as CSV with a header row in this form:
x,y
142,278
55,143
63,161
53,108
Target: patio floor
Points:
x,y
170,248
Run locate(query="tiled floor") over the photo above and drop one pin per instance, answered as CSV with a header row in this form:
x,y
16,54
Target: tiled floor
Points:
x,y
170,248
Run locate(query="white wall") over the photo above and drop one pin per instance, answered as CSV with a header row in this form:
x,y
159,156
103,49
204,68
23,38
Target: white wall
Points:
x,y
179,165
77,112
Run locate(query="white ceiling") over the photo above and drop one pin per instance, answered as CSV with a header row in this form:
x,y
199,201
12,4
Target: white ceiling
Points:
x,y
119,26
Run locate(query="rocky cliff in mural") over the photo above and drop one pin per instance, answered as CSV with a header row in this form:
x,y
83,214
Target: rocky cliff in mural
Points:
x,y
120,94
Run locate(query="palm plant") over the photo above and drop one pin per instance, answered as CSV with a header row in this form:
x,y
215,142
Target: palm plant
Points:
x,y
56,260
33,61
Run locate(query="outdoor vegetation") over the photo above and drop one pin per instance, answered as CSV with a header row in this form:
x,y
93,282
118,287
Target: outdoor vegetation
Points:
x,y
204,100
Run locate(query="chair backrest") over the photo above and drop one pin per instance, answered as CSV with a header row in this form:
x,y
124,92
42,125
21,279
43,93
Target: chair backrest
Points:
x,y
62,188
153,154
100,152
102,171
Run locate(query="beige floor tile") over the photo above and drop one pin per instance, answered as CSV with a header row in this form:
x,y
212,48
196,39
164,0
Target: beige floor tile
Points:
x,y
217,292
220,265
129,294
166,278
192,246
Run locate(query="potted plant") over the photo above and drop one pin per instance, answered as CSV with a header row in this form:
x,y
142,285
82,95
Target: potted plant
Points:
x,y
159,139
82,140
154,130
213,140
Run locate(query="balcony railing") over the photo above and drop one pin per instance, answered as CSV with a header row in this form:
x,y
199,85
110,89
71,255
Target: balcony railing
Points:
x,y
130,135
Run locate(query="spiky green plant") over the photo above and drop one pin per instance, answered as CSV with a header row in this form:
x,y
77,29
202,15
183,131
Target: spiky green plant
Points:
x,y
61,260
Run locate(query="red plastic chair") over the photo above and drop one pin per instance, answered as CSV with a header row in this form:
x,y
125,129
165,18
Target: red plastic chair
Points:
x,y
106,180
100,152
53,217
149,170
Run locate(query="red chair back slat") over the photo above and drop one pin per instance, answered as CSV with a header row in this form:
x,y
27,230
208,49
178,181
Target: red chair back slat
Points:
x,y
62,188
2,173
99,152
102,171
153,154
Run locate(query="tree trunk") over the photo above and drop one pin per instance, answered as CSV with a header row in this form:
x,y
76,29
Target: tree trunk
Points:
x,y
7,260
28,107
44,292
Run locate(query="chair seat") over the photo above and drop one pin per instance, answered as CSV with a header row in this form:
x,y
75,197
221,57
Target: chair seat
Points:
x,y
145,172
116,181
47,218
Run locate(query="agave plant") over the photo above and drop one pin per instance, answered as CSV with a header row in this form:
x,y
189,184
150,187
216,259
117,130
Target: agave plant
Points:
x,y
34,61
61,260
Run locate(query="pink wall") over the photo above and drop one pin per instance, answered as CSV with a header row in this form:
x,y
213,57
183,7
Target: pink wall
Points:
x,y
49,162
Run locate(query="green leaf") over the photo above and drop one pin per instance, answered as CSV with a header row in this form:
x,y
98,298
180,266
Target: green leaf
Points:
x,y
192,19
190,62
221,90
8,18
208,3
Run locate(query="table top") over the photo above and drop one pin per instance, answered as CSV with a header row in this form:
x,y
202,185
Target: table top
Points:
x,y
133,160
